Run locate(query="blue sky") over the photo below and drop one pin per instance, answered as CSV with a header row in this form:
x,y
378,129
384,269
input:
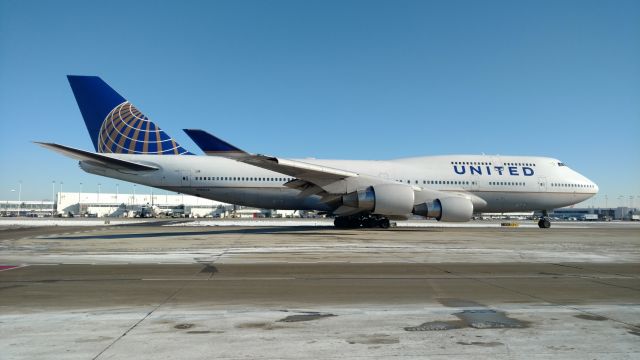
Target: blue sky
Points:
x,y
331,79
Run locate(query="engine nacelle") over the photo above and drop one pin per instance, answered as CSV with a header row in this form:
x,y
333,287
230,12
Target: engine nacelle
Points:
x,y
453,209
383,199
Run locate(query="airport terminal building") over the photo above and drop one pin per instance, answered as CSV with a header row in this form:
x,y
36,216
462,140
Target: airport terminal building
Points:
x,y
71,204
130,205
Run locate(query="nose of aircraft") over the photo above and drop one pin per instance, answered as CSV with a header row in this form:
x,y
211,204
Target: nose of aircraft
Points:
x,y
593,187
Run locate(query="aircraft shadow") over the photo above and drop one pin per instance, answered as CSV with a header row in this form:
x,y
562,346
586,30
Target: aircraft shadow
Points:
x,y
221,231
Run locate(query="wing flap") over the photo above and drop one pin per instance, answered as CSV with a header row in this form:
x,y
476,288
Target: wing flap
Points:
x,y
95,158
215,146
298,169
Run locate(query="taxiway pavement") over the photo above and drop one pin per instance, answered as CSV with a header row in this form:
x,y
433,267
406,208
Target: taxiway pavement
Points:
x,y
151,291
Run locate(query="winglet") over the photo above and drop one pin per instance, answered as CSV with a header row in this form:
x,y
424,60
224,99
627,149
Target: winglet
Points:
x,y
212,145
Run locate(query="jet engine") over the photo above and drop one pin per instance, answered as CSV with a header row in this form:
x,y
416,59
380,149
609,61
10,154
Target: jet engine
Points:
x,y
398,200
383,199
454,209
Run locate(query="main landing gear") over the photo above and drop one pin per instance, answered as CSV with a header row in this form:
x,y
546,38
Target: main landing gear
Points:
x,y
544,222
363,221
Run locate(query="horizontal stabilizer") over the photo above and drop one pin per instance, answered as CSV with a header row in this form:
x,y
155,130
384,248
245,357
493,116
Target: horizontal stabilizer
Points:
x,y
98,159
212,145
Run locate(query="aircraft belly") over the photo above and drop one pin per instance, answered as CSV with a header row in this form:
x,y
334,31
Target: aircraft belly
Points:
x,y
267,198
512,202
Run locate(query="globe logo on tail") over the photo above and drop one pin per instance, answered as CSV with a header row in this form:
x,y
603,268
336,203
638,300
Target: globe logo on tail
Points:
x,y
126,130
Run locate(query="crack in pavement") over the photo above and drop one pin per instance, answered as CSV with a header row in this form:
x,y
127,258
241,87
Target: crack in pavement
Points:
x,y
140,321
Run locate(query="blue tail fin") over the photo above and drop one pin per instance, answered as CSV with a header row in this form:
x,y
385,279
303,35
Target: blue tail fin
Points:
x,y
115,125
212,145
209,143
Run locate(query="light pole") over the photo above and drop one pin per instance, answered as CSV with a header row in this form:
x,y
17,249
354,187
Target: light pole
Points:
x,y
60,191
79,199
99,205
134,195
53,196
621,205
116,193
12,190
19,197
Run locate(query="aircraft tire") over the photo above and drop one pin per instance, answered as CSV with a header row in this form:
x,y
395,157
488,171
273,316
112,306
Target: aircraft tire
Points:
x,y
369,223
544,223
341,222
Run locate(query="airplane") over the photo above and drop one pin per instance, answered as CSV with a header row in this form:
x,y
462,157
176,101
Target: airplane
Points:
x,y
358,193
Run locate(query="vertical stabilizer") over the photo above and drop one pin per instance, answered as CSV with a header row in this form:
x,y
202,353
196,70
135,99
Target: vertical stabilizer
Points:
x,y
115,125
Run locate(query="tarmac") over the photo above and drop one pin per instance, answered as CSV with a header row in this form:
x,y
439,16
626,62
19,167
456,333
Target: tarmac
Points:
x,y
145,290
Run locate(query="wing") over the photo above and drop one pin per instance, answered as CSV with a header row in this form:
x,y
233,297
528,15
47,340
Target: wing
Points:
x,y
214,146
99,159
310,178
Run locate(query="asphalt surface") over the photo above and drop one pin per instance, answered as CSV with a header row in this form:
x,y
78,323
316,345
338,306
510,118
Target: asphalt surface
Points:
x,y
283,292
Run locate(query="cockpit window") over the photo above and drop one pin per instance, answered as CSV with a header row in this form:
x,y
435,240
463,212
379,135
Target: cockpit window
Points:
x,y
561,164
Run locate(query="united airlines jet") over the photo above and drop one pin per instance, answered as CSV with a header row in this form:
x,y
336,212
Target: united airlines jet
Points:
x,y
130,147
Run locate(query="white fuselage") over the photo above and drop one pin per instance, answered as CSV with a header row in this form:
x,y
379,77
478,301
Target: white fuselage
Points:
x,y
502,183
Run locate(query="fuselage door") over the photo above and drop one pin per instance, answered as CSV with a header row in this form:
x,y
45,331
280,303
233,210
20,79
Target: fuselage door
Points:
x,y
186,178
542,184
474,182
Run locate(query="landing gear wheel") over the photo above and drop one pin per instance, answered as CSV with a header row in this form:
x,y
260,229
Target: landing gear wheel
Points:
x,y
356,222
368,223
341,222
544,223
384,223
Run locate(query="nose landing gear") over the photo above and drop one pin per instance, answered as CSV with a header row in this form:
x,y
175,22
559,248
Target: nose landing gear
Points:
x,y
544,222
